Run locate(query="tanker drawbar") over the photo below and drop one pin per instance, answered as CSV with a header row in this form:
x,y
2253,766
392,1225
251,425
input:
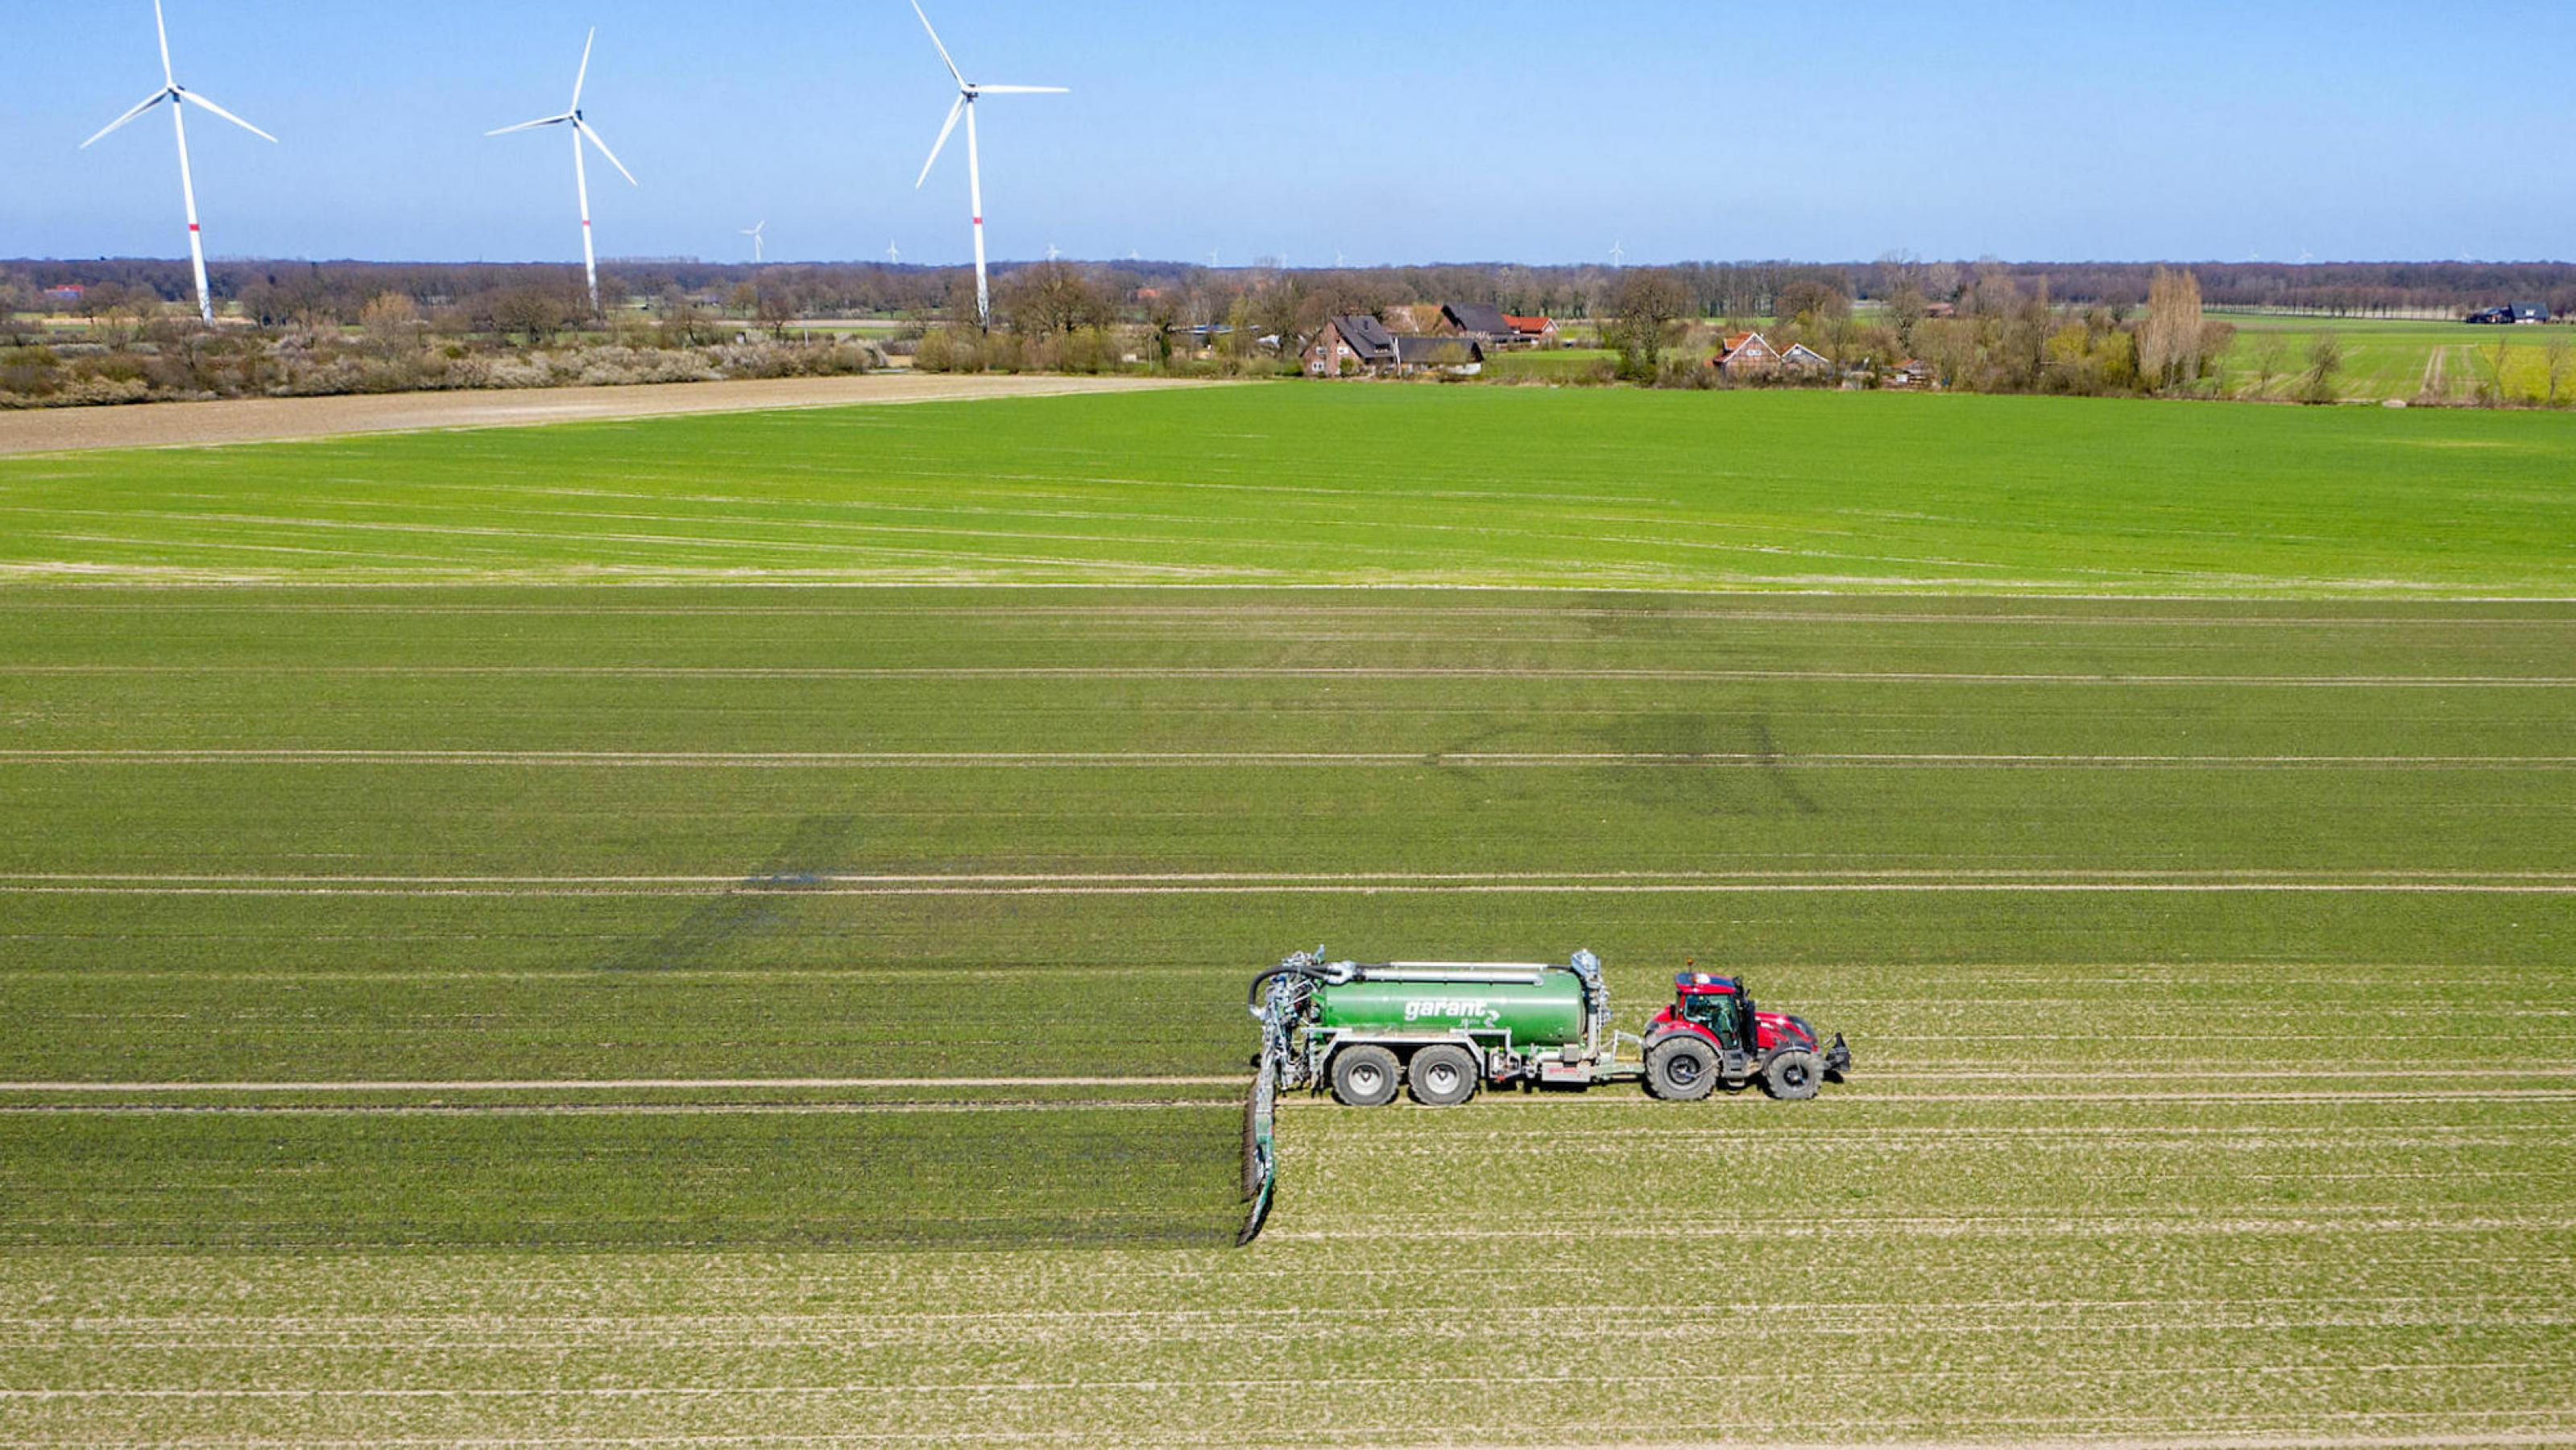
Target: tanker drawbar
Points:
x,y
1440,1032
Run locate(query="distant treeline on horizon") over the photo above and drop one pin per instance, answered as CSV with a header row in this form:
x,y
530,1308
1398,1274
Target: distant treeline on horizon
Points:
x,y
1195,292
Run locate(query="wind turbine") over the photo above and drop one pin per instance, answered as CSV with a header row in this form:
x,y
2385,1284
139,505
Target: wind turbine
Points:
x,y
968,92
180,99
894,253
1052,253
1616,253
758,254
580,177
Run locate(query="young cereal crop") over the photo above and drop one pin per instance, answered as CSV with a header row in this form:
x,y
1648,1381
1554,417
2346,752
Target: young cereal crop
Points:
x,y
451,996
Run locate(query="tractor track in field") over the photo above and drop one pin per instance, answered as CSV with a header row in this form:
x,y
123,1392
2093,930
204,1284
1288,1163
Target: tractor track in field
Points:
x,y
2073,883
604,1110
1317,672
634,1084
1261,759
1224,614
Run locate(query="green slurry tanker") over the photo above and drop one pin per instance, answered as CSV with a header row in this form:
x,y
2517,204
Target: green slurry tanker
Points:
x,y
1441,1031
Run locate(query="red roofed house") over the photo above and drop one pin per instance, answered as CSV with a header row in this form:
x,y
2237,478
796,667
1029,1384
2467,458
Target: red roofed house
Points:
x,y
1746,355
1534,331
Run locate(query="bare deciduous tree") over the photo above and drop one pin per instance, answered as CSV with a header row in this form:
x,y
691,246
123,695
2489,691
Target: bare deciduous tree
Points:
x,y
2172,340
2325,366
392,325
1644,307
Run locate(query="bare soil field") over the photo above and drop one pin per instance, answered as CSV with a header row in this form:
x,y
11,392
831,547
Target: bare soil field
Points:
x,y
260,420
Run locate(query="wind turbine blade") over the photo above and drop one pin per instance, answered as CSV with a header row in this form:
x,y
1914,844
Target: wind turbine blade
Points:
x,y
584,128
1026,90
157,98
956,108
192,98
162,26
529,125
934,40
584,73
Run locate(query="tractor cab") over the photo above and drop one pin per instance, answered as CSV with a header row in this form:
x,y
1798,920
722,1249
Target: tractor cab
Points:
x,y
1717,1006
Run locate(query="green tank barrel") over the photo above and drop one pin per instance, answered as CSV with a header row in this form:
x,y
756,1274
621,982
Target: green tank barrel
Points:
x,y
1540,1014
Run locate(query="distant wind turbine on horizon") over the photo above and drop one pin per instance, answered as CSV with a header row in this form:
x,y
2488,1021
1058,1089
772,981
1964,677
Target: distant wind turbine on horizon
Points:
x,y
581,130
758,254
1618,253
893,253
968,92
180,98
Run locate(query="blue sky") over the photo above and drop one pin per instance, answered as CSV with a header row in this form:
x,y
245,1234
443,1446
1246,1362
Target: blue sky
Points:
x,y
1498,130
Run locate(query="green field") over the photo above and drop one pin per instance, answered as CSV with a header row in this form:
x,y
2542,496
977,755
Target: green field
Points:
x,y
500,943
1312,485
2438,362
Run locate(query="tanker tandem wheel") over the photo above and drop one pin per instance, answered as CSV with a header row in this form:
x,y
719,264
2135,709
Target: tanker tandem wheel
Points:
x,y
1364,1077
1441,1076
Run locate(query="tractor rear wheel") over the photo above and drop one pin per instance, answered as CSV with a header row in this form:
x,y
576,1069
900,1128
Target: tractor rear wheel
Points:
x,y
1364,1077
1680,1069
1793,1075
1441,1076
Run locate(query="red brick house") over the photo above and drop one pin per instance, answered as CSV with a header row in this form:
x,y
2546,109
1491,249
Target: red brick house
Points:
x,y
1353,343
1746,355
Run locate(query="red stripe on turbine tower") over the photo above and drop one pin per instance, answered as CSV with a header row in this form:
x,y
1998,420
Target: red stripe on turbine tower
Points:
x,y
192,226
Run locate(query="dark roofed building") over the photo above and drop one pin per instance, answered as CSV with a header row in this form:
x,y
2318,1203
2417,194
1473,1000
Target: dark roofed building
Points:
x,y
1481,321
1357,339
2526,313
1452,354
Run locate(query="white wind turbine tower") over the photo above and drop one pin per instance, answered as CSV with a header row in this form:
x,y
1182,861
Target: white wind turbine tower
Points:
x,y
1617,252
893,253
968,92
758,255
180,99
580,176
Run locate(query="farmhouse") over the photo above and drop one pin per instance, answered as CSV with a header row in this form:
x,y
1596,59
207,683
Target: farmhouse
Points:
x,y
2525,313
1534,331
68,294
1479,320
1745,355
1356,342
1464,356
1805,361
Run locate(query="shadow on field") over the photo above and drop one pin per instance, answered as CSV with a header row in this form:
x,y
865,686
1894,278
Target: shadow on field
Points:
x,y
818,847
1686,789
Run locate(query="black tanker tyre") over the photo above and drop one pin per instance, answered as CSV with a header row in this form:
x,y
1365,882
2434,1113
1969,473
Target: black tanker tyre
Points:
x,y
1793,1075
1681,1069
1442,1075
1364,1077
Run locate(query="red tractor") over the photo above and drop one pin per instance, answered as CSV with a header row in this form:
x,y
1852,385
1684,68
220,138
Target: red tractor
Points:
x,y
1713,1034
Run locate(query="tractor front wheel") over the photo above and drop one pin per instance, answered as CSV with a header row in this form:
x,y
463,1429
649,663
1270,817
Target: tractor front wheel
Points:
x,y
1441,1076
1793,1075
1364,1077
1680,1069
